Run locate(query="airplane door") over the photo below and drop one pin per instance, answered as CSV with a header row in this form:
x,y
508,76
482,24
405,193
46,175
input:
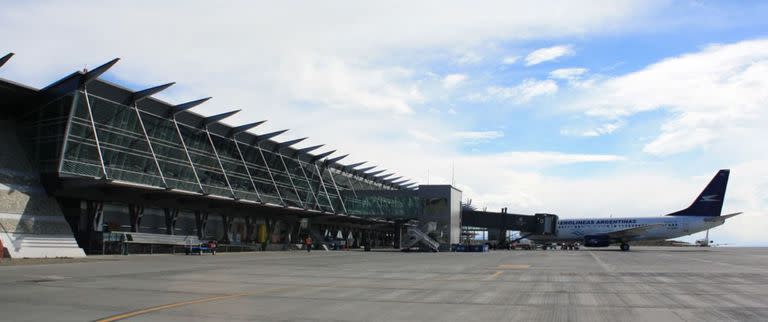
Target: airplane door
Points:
x,y
686,226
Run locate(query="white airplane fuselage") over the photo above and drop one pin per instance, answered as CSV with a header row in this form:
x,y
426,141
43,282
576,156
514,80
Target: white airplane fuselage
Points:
x,y
666,227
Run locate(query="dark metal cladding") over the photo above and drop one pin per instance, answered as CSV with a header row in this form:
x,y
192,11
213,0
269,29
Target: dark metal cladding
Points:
x,y
140,95
5,59
185,106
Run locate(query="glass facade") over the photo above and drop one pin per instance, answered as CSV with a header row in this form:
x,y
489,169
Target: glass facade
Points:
x,y
84,134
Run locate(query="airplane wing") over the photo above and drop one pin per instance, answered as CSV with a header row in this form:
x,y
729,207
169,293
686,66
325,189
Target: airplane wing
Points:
x,y
631,232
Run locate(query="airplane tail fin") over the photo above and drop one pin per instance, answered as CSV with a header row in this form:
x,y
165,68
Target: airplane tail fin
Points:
x,y
710,201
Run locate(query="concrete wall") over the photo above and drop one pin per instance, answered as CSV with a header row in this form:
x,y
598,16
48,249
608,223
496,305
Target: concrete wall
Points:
x,y
442,213
31,222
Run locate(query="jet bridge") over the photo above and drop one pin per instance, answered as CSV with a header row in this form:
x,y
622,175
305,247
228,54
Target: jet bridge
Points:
x,y
499,222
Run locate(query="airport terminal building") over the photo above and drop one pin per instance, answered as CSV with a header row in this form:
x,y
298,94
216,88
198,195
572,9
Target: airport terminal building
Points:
x,y
85,162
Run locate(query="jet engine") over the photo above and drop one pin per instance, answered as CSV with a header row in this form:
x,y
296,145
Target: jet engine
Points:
x,y
597,241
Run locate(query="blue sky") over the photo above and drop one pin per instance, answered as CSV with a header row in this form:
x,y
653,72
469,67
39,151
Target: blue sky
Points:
x,y
580,108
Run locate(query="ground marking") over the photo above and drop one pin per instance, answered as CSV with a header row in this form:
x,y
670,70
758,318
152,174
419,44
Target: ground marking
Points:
x,y
131,314
513,266
605,266
496,275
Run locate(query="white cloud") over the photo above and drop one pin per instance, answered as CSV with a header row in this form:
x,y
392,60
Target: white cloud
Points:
x,y
603,129
478,135
541,55
452,80
715,96
469,58
509,60
423,136
333,83
521,93
569,74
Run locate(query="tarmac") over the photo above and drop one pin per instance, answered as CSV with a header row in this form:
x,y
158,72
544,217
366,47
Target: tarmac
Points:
x,y
645,284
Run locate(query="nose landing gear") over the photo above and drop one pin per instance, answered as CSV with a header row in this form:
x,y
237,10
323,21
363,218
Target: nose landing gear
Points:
x,y
624,247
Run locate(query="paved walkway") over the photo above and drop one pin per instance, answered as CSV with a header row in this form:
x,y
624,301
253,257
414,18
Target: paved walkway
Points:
x,y
649,284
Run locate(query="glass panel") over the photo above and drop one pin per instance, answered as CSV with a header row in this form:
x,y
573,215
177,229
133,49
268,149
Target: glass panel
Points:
x,y
42,133
170,153
204,159
317,186
124,147
81,156
300,181
260,174
282,178
233,165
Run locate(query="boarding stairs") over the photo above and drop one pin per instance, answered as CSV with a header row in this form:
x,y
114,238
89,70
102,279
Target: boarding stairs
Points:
x,y
415,236
318,238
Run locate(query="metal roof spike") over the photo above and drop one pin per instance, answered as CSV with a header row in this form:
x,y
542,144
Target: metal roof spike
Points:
x,y
366,169
267,136
384,176
96,72
218,117
375,172
309,148
140,95
5,59
393,180
321,155
355,165
245,127
185,106
288,143
336,159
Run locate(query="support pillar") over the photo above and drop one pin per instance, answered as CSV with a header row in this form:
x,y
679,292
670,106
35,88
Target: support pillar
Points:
x,y
201,222
95,215
398,234
136,212
171,217
249,230
226,228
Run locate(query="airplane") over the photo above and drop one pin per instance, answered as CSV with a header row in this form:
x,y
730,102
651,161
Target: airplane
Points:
x,y
704,213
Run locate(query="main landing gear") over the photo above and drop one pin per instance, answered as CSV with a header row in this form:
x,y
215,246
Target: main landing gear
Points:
x,y
624,247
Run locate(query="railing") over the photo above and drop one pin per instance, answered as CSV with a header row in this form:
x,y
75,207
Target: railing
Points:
x,y
417,236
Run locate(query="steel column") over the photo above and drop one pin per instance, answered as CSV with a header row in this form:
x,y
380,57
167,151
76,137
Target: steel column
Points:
x,y
337,189
184,145
67,129
149,143
216,154
322,184
248,171
309,184
288,173
95,135
269,171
